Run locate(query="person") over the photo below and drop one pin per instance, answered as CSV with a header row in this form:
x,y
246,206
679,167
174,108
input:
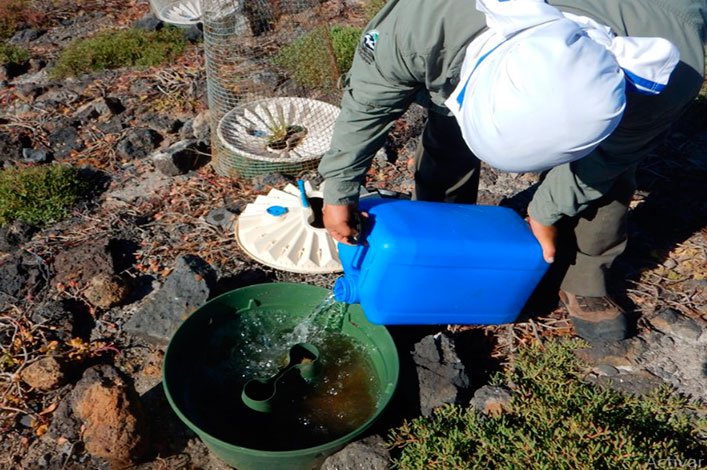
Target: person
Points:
x,y
581,88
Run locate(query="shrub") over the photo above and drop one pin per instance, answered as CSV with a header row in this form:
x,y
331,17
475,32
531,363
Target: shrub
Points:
x,y
38,195
18,13
318,58
12,55
555,420
120,48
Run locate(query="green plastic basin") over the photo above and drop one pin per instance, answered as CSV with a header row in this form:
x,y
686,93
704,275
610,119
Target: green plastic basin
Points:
x,y
201,337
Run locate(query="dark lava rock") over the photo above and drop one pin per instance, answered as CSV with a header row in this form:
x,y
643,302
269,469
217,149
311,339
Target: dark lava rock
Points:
x,y
114,104
193,33
198,128
11,146
113,125
187,288
84,262
181,158
15,234
637,383
617,353
65,140
491,399
222,218
149,22
30,91
36,155
26,35
165,124
20,274
57,318
441,375
674,323
14,69
64,424
370,453
100,108
139,143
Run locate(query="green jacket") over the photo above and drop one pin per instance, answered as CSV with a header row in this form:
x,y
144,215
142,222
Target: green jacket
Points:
x,y
418,57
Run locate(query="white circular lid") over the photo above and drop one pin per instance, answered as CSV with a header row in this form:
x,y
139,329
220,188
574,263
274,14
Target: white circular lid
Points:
x,y
247,128
276,230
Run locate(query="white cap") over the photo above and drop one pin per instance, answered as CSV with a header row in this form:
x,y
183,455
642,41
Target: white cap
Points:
x,y
545,89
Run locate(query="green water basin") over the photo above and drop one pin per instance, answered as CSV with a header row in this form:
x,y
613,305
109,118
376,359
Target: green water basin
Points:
x,y
204,375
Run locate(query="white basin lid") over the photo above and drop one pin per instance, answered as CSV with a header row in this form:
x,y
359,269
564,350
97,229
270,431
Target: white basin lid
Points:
x,y
275,230
245,129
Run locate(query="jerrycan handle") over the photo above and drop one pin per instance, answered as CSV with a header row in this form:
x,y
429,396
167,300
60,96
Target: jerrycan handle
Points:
x,y
363,227
358,257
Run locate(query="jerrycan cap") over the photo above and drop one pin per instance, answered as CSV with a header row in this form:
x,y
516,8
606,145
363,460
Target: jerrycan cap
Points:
x,y
345,290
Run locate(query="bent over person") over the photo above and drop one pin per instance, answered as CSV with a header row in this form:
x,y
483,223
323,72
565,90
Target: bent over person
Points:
x,y
582,88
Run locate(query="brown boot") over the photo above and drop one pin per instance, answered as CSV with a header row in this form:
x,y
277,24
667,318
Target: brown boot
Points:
x,y
595,319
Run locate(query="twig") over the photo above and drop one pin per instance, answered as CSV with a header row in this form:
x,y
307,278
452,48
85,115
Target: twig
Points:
x,y
535,332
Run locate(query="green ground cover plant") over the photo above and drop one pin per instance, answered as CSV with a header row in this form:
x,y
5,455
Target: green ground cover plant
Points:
x,y
317,59
555,420
39,195
120,48
10,54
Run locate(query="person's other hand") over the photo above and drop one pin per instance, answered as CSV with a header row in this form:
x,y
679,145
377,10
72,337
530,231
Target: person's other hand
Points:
x,y
339,220
546,235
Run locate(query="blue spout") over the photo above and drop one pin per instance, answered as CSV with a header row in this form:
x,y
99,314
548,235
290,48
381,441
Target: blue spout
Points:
x,y
346,291
303,193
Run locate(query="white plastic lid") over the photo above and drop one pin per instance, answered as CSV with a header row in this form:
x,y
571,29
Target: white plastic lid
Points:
x,y
276,231
245,129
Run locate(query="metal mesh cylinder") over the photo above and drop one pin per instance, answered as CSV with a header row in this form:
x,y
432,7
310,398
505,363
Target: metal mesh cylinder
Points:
x,y
272,68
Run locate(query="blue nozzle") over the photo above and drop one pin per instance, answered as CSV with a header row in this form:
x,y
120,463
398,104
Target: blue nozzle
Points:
x,y
303,193
345,291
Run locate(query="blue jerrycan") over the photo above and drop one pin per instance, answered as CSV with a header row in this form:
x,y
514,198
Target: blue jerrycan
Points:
x,y
440,263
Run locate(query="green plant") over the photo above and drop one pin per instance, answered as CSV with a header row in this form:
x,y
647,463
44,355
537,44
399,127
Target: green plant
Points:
x,y
38,195
285,137
555,420
10,54
318,58
120,48
344,40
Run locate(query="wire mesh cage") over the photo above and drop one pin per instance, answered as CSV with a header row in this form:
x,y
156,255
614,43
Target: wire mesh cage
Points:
x,y
272,68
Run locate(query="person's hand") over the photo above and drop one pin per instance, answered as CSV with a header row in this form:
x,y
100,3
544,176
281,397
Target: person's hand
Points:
x,y
546,235
339,220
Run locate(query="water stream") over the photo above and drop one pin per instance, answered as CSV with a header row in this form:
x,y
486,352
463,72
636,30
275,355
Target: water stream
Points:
x,y
264,341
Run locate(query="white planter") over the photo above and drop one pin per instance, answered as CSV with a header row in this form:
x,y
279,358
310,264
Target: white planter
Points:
x,y
245,129
180,12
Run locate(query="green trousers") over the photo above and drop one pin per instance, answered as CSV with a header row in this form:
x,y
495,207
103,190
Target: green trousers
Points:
x,y
447,171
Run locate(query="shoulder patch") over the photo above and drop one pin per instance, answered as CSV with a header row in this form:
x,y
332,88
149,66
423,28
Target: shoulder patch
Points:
x,y
368,45
370,39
